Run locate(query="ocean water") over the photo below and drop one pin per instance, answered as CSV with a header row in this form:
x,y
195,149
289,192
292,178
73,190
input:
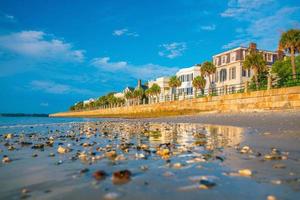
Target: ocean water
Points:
x,y
34,121
166,160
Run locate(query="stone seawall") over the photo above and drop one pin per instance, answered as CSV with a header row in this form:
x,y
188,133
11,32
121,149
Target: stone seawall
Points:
x,y
274,99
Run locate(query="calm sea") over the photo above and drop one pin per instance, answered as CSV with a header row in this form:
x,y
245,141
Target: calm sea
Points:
x,y
33,121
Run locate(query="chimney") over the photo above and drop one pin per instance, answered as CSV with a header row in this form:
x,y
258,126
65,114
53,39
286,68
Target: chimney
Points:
x,y
252,46
139,83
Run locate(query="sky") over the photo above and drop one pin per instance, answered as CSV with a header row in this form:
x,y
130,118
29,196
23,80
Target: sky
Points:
x,y
54,53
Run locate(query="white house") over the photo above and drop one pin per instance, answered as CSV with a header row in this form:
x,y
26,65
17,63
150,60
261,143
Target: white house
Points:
x,y
85,102
186,76
163,83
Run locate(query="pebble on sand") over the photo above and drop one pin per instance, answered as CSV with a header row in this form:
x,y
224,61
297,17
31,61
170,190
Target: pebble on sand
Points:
x,y
121,177
245,172
62,150
271,197
6,159
99,175
111,196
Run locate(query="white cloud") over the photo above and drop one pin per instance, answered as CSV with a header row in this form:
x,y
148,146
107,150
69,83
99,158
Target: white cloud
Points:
x,y
244,8
124,31
39,45
236,43
209,27
263,22
56,88
123,68
108,66
172,50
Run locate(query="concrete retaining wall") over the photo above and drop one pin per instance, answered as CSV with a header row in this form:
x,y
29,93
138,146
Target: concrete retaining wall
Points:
x,y
275,99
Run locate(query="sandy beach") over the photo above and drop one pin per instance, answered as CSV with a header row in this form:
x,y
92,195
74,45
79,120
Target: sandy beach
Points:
x,y
215,156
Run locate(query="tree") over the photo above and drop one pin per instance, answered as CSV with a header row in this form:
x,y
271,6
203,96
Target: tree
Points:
x,y
149,93
138,94
207,69
255,61
155,89
174,83
199,82
290,42
283,68
128,95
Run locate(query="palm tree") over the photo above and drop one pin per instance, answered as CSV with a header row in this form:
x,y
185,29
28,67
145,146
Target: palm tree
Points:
x,y
128,95
155,89
255,61
174,82
207,69
138,93
199,82
290,42
149,94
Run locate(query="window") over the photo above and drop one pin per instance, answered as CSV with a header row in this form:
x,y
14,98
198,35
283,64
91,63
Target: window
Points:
x,y
223,59
244,73
223,75
216,61
232,56
249,72
269,57
232,73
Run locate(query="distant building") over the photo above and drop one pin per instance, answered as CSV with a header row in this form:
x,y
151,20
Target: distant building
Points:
x,y
85,102
186,76
163,83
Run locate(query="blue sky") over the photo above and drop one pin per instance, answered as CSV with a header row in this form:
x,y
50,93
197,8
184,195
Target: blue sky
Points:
x,y
55,53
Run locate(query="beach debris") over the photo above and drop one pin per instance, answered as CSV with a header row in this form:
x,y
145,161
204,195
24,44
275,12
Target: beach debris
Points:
x,y
276,155
38,146
168,174
63,150
84,170
271,197
206,184
8,136
99,175
276,182
279,166
144,167
245,150
121,177
245,172
111,196
111,154
51,154
177,165
6,159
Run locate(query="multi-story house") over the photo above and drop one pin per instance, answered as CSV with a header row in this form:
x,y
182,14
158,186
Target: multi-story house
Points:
x,y
230,70
186,76
163,83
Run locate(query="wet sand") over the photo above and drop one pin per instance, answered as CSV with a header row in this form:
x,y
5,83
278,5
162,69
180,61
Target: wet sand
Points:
x,y
208,156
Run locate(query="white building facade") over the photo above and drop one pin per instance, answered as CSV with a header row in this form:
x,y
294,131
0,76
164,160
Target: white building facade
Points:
x,y
165,91
186,76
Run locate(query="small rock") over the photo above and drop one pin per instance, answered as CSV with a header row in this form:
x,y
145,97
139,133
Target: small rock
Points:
x,y
25,191
245,172
246,149
34,155
111,196
51,155
121,177
206,184
177,165
99,175
85,170
62,150
6,159
271,197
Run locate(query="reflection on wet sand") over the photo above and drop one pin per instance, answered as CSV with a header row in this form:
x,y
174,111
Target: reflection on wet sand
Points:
x,y
128,160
